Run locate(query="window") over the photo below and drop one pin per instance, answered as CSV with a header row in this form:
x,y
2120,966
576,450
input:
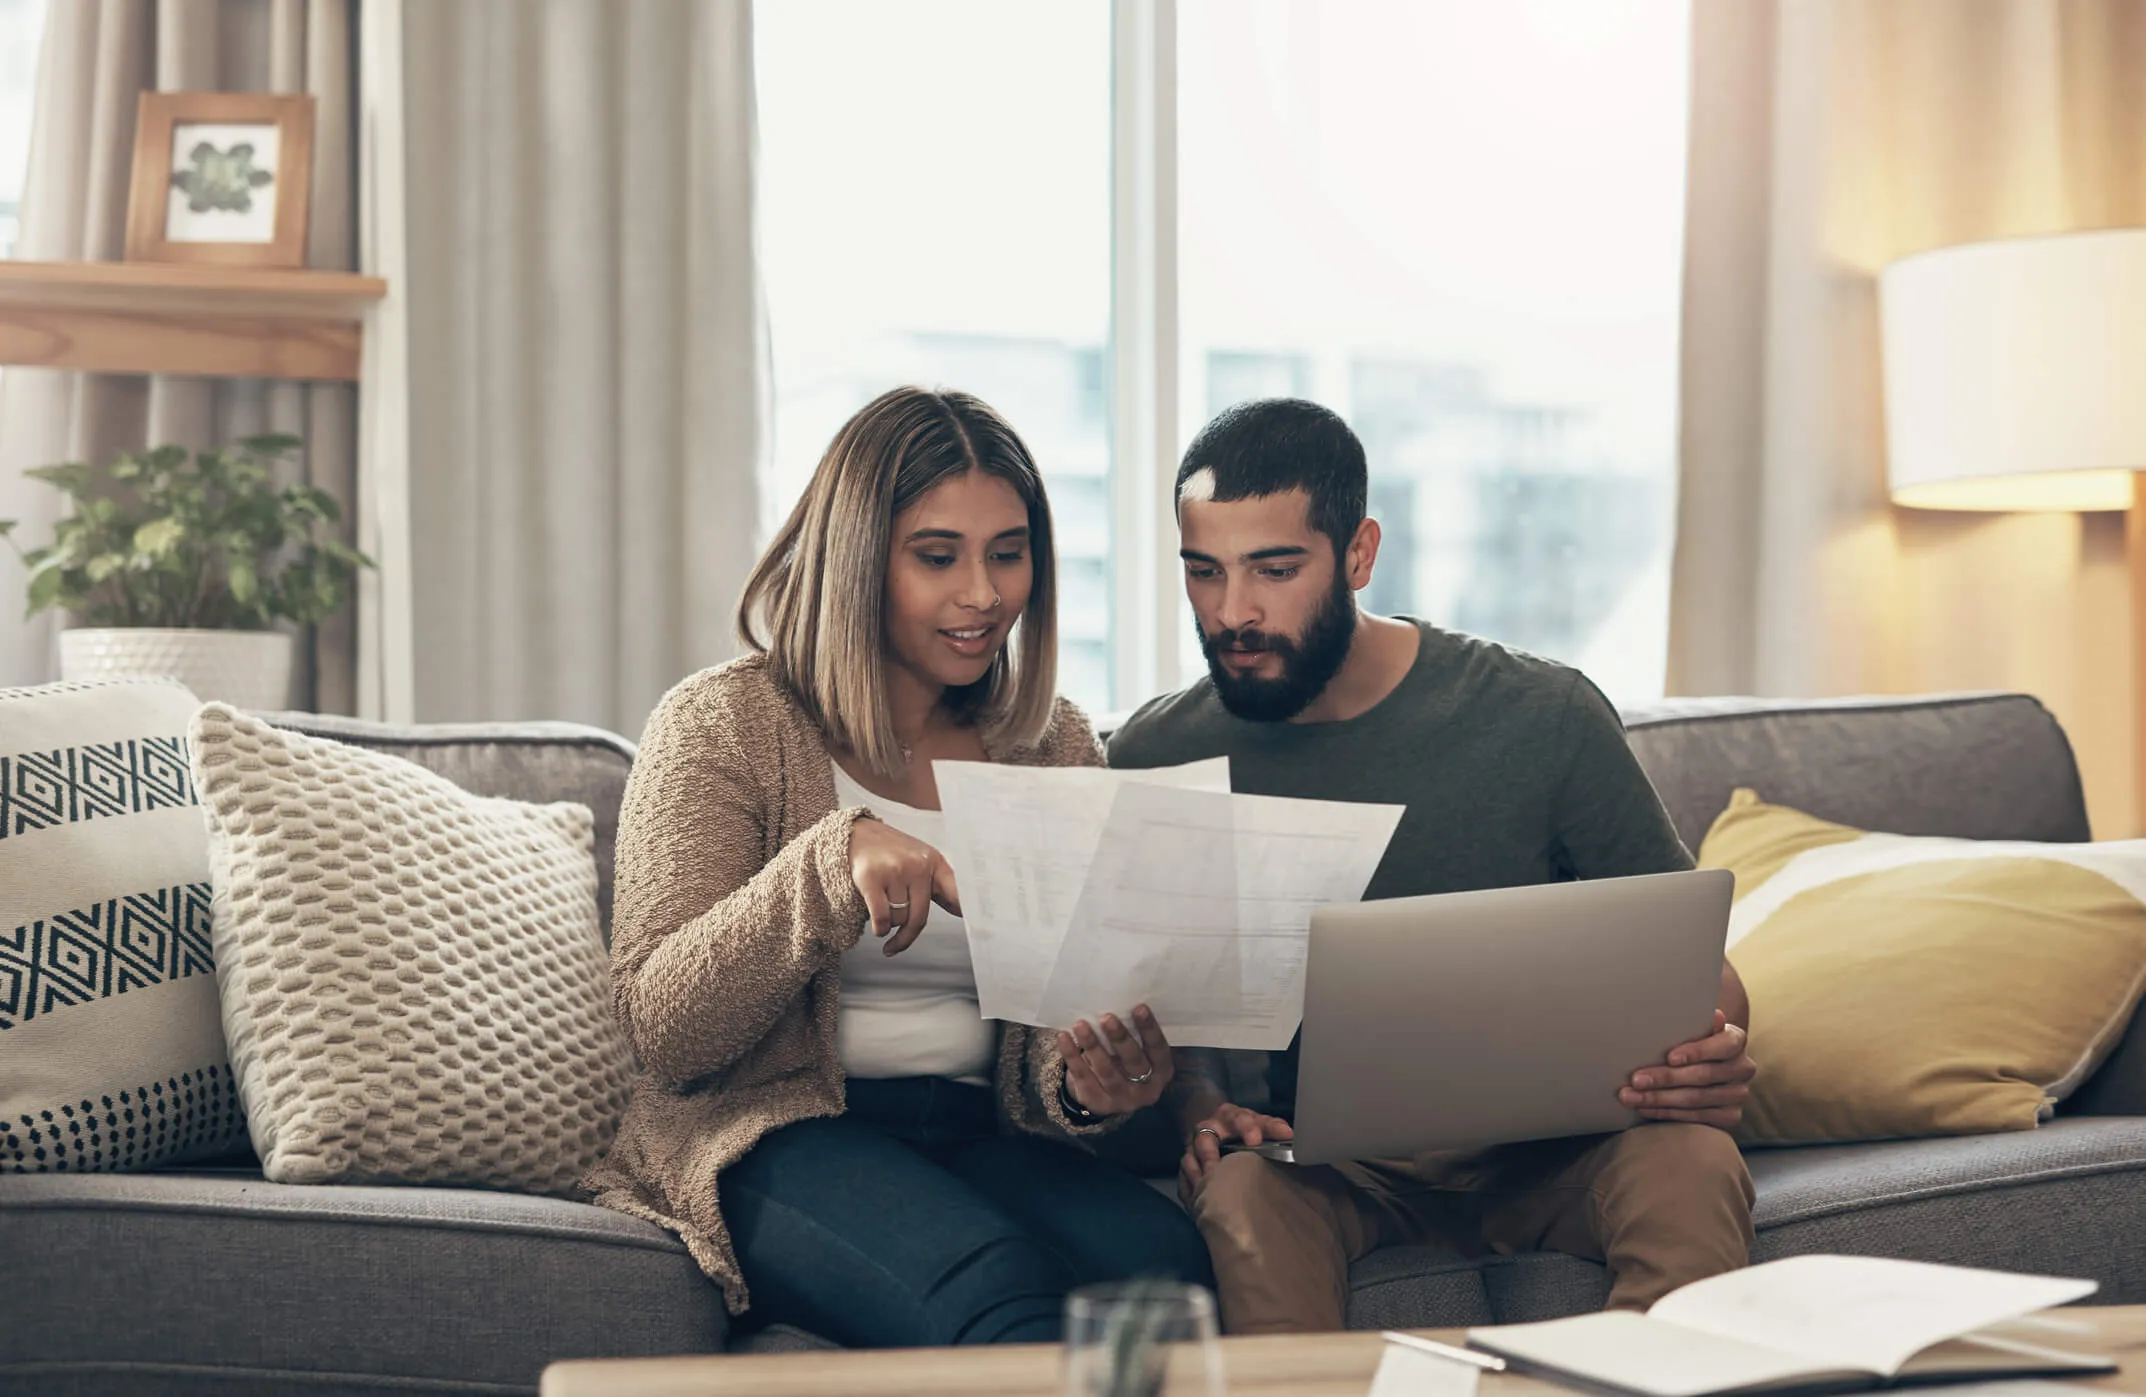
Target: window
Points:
x,y
1457,223
22,24
935,209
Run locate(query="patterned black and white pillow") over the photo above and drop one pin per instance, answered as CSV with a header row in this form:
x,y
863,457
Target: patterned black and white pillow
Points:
x,y
111,1042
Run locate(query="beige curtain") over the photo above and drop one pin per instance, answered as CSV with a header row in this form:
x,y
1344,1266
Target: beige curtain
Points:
x,y
98,56
1830,137
586,358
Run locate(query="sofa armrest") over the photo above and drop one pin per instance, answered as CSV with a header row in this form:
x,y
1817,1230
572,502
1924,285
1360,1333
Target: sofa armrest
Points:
x,y
2119,1088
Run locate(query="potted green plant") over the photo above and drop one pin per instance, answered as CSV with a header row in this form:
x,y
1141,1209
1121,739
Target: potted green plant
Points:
x,y
181,564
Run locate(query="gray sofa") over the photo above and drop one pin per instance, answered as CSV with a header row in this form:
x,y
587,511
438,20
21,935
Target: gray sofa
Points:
x,y
212,1280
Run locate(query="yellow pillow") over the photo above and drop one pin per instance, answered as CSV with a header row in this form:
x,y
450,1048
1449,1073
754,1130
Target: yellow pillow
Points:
x,y
1905,986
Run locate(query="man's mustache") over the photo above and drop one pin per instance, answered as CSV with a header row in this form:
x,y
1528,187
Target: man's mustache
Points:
x,y
1249,641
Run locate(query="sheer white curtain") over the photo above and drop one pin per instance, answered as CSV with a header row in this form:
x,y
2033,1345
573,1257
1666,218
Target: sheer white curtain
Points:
x,y
586,352
98,57
1830,137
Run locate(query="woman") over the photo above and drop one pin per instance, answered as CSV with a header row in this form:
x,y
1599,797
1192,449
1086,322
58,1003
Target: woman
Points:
x,y
783,803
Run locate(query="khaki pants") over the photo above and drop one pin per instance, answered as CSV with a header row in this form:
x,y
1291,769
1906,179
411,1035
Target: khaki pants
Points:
x,y
1660,1204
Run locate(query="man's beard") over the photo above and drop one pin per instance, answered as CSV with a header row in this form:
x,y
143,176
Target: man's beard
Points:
x,y
1308,664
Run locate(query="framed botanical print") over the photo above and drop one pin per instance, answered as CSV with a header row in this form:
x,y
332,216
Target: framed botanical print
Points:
x,y
221,178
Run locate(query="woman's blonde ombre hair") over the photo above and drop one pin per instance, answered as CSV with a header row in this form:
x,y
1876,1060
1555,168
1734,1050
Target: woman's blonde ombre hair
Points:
x,y
820,590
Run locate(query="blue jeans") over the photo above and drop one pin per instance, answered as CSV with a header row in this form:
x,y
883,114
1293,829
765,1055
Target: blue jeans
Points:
x,y
912,1221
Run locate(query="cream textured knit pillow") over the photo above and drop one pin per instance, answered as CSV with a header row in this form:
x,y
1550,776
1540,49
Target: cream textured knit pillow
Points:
x,y
415,987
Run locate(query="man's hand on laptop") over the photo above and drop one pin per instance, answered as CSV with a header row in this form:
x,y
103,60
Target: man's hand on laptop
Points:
x,y
1706,1081
1228,1125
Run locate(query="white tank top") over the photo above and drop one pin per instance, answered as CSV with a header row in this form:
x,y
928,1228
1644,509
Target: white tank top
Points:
x,y
915,1014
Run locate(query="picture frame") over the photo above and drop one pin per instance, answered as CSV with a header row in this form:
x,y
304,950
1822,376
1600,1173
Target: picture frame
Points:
x,y
221,178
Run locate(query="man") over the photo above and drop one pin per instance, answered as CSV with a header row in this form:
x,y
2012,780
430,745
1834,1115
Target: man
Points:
x,y
1514,770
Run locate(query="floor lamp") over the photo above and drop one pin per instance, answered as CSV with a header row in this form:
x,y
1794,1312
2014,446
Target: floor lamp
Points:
x,y
2015,379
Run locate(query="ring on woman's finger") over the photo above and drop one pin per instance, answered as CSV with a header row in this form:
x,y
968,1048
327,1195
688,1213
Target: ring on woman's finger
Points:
x,y
1209,1130
897,906
1143,1079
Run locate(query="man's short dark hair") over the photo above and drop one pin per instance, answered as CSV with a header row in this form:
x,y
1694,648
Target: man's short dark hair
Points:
x,y
1273,445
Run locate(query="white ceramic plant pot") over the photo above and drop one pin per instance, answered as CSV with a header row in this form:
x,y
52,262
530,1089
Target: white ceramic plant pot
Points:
x,y
249,669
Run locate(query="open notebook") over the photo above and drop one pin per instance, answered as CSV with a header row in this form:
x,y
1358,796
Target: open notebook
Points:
x,y
1809,1324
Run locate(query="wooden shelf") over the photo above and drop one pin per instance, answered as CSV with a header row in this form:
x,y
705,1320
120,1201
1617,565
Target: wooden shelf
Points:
x,y
216,322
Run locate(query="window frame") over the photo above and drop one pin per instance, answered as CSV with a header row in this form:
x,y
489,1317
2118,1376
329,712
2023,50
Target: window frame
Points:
x,y
1151,646
1146,606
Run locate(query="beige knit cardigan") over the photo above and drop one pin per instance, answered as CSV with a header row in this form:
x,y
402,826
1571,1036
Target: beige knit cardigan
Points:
x,y
733,907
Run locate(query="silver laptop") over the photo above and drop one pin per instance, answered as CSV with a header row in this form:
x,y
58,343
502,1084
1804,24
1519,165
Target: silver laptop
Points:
x,y
1484,1018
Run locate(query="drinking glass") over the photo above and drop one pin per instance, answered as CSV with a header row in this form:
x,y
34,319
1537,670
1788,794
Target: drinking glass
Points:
x,y
1142,1339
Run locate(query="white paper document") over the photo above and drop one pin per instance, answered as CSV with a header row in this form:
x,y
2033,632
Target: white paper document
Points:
x,y
1088,891
1020,840
1409,1372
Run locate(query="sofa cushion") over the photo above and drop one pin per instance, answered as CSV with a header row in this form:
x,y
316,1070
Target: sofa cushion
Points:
x,y
1422,1287
221,1281
2066,1200
2119,1088
1972,766
1419,1288
534,762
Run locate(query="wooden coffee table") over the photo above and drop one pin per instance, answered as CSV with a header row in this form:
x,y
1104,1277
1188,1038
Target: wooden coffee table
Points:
x,y
1312,1365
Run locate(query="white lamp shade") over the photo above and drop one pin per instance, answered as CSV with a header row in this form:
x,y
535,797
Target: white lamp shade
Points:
x,y
2015,373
